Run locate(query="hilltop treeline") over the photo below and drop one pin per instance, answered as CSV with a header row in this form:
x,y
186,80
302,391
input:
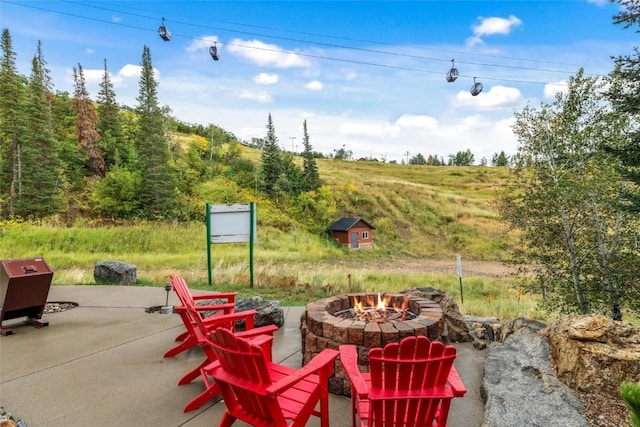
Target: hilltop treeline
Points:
x,y
73,156
66,153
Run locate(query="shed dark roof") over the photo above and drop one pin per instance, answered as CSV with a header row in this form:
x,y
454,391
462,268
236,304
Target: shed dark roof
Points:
x,y
346,223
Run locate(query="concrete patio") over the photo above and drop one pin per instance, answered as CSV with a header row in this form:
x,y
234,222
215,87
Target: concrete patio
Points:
x,y
101,364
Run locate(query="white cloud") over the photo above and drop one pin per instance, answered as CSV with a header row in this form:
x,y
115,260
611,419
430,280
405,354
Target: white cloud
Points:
x,y
263,97
130,71
598,2
490,26
265,54
202,43
314,85
494,98
116,19
552,88
93,76
89,51
417,121
266,79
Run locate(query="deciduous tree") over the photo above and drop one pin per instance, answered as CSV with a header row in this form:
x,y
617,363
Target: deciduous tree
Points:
x,y
563,197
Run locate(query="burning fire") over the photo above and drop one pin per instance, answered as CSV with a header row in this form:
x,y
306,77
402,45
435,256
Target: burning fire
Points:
x,y
372,310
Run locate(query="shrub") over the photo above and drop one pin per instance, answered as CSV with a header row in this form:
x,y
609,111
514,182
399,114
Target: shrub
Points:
x,y
630,393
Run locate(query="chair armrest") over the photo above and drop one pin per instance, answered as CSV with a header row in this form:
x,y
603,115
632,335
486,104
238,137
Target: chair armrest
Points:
x,y
231,317
229,296
456,383
321,363
349,359
261,330
227,308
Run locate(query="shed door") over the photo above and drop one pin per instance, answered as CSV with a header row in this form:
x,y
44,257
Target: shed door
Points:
x,y
354,239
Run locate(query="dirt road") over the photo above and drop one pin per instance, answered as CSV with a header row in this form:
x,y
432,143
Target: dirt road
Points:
x,y
469,268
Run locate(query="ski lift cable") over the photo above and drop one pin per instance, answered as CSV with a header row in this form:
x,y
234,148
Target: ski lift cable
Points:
x,y
439,72
513,67
447,51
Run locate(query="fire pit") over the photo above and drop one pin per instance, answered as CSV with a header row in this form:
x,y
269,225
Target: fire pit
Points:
x,y
367,321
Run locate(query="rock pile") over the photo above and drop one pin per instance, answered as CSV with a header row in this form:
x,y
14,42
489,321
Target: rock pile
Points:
x,y
593,352
456,327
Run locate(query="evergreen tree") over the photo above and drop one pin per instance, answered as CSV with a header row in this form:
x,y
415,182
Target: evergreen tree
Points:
x,y
624,94
40,191
12,121
418,159
86,122
310,174
499,159
47,81
112,141
64,125
271,160
157,190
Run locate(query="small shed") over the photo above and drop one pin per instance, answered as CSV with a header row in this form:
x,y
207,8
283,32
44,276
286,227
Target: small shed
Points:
x,y
353,232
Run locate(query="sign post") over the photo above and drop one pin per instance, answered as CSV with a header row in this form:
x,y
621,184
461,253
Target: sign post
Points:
x,y
459,271
231,223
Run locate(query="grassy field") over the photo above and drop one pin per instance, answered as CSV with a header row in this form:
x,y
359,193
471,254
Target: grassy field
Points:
x,y
420,213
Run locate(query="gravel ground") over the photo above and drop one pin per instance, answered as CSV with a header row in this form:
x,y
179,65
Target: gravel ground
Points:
x,y
603,410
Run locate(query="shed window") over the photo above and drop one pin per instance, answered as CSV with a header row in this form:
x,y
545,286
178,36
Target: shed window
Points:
x,y
365,234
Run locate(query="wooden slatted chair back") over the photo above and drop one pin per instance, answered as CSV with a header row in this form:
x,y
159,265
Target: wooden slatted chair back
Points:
x,y
408,382
247,363
266,394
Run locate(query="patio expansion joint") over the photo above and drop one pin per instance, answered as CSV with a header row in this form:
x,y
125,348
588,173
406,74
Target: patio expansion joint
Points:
x,y
84,356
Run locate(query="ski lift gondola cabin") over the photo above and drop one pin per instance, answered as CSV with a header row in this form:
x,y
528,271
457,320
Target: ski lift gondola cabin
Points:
x,y
452,74
163,32
213,51
476,88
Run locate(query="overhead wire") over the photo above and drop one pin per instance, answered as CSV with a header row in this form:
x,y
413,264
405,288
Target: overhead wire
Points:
x,y
449,52
332,45
297,53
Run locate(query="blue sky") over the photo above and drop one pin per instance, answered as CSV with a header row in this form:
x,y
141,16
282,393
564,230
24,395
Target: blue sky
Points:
x,y
367,76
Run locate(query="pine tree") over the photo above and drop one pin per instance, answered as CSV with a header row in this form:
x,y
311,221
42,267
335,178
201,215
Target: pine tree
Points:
x,y
271,160
112,141
47,81
12,121
310,174
86,122
157,191
40,191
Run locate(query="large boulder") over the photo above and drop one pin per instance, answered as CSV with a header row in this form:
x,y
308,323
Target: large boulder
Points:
x,y
594,353
269,312
520,387
457,328
115,272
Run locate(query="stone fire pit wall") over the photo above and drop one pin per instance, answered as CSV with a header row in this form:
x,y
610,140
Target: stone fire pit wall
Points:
x,y
320,329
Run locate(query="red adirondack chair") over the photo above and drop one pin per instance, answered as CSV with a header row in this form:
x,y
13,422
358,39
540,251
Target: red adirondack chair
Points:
x,y
265,394
199,328
188,338
410,383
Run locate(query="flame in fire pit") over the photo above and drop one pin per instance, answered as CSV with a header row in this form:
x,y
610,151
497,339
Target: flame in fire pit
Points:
x,y
372,310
